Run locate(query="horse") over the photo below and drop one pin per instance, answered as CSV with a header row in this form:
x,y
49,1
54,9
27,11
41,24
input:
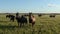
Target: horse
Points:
x,y
39,15
52,15
11,17
21,20
32,20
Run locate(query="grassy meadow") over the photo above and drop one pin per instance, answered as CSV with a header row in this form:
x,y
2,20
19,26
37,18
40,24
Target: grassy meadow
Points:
x,y
43,25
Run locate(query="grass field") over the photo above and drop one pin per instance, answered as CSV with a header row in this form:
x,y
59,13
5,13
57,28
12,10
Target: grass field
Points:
x,y
43,25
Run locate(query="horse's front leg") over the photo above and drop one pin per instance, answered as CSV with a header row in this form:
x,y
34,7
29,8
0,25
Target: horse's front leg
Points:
x,y
18,24
23,24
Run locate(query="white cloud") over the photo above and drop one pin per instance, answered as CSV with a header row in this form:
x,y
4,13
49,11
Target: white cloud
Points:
x,y
53,8
53,5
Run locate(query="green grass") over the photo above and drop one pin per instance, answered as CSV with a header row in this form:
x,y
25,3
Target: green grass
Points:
x,y
43,25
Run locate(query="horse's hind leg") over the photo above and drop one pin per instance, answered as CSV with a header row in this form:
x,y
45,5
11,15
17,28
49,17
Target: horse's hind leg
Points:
x,y
23,24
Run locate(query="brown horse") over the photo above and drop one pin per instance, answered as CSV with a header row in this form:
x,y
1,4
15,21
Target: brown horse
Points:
x,y
32,20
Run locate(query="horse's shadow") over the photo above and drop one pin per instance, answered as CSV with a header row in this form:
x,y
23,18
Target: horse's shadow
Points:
x,y
8,27
4,21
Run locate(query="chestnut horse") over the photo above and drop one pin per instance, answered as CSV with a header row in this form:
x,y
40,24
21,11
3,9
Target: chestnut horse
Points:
x,y
32,20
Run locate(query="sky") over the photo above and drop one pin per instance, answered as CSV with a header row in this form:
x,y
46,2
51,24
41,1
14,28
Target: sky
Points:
x,y
25,6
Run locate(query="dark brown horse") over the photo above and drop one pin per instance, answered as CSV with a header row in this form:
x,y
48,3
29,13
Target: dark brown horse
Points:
x,y
11,17
52,15
21,20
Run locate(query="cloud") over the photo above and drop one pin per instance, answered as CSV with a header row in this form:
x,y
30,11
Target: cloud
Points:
x,y
53,5
53,8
